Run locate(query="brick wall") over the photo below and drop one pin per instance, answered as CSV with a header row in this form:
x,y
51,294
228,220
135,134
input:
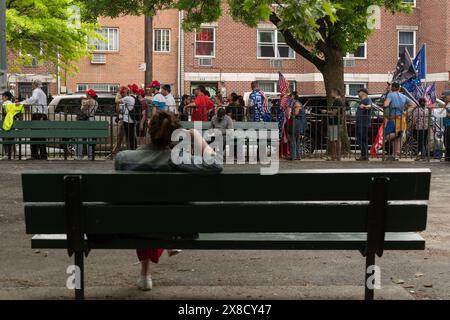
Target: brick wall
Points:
x,y
122,67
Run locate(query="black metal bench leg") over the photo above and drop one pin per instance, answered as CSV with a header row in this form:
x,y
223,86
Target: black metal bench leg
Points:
x,y
369,292
79,262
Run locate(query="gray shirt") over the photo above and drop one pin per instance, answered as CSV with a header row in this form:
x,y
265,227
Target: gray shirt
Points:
x,y
222,124
151,158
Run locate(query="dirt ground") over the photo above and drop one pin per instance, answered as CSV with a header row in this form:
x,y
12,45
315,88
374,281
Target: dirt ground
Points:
x,y
27,273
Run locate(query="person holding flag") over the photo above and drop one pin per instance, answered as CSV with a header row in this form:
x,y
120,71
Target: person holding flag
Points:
x,y
395,126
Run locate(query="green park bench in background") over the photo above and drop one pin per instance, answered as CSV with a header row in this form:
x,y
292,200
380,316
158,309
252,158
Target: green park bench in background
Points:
x,y
56,133
365,210
244,127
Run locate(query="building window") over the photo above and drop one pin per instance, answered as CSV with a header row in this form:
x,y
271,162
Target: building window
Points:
x,y
99,87
205,42
407,40
411,2
112,40
360,53
351,89
272,86
271,44
161,40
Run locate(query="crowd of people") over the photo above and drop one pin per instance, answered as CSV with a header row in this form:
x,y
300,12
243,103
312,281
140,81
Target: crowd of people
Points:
x,y
135,106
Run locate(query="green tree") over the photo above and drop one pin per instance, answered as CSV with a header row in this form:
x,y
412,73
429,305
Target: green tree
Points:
x,y
51,31
321,31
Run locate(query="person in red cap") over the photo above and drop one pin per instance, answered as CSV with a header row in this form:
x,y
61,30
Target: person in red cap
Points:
x,y
89,107
158,100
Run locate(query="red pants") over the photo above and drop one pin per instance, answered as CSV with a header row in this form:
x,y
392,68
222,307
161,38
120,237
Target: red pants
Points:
x,y
152,254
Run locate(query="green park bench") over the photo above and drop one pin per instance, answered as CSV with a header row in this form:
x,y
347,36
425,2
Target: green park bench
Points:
x,y
58,133
244,127
365,210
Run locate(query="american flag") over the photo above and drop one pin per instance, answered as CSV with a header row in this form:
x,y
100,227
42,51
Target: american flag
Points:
x,y
283,85
266,102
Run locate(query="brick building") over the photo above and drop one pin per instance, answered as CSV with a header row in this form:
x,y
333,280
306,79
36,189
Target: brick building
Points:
x,y
121,60
226,56
241,54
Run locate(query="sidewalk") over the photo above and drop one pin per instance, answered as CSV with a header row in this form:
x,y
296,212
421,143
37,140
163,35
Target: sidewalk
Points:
x,y
209,293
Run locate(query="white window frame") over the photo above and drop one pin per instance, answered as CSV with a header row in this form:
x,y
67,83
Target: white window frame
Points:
x,y
348,84
169,36
214,42
275,44
414,41
414,4
275,83
350,55
96,85
118,41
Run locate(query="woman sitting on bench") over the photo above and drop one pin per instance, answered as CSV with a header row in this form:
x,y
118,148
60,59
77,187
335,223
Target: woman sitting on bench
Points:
x,y
157,156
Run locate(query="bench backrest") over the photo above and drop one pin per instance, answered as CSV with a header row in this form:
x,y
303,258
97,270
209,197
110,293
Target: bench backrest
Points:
x,y
57,129
148,203
237,125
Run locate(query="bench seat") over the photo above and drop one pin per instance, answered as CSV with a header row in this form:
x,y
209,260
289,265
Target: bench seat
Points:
x,y
248,241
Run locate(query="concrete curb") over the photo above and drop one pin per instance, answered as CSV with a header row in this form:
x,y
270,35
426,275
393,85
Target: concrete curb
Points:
x,y
208,293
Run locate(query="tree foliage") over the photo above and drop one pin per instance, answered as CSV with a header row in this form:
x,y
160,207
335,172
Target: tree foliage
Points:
x,y
49,31
315,29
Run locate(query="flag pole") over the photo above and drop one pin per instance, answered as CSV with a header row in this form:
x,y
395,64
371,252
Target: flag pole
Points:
x,y
425,46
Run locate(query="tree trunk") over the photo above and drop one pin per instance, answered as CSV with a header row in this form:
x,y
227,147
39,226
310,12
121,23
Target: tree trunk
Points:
x,y
333,75
148,36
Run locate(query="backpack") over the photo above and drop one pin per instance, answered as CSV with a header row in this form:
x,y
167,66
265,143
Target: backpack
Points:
x,y
136,113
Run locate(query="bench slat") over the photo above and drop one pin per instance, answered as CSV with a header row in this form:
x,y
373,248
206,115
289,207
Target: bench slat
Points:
x,y
244,241
88,125
56,133
58,142
232,217
236,125
288,185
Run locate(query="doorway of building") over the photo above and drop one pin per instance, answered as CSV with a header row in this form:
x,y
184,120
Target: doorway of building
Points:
x,y
25,90
211,87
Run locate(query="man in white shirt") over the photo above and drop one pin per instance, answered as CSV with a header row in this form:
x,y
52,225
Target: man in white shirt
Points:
x,y
39,110
129,125
170,100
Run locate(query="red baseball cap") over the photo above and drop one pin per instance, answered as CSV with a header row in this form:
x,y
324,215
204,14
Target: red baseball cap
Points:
x,y
135,88
155,84
92,93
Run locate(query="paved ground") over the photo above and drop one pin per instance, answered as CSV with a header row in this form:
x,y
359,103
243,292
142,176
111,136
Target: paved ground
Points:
x,y
29,274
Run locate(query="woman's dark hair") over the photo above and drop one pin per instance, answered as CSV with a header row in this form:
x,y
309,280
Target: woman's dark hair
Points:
x,y
422,102
241,101
162,125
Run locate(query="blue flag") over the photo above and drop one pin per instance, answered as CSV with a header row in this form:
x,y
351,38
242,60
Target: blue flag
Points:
x,y
405,70
420,63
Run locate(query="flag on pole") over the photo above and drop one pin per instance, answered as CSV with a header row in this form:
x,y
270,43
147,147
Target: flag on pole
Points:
x,y
430,94
378,143
420,63
405,70
283,86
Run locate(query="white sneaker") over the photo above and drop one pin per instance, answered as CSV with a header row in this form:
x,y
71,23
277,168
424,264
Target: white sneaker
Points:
x,y
173,252
145,283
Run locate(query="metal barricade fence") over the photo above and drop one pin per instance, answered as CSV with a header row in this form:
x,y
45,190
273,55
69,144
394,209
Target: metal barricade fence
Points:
x,y
415,134
412,135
